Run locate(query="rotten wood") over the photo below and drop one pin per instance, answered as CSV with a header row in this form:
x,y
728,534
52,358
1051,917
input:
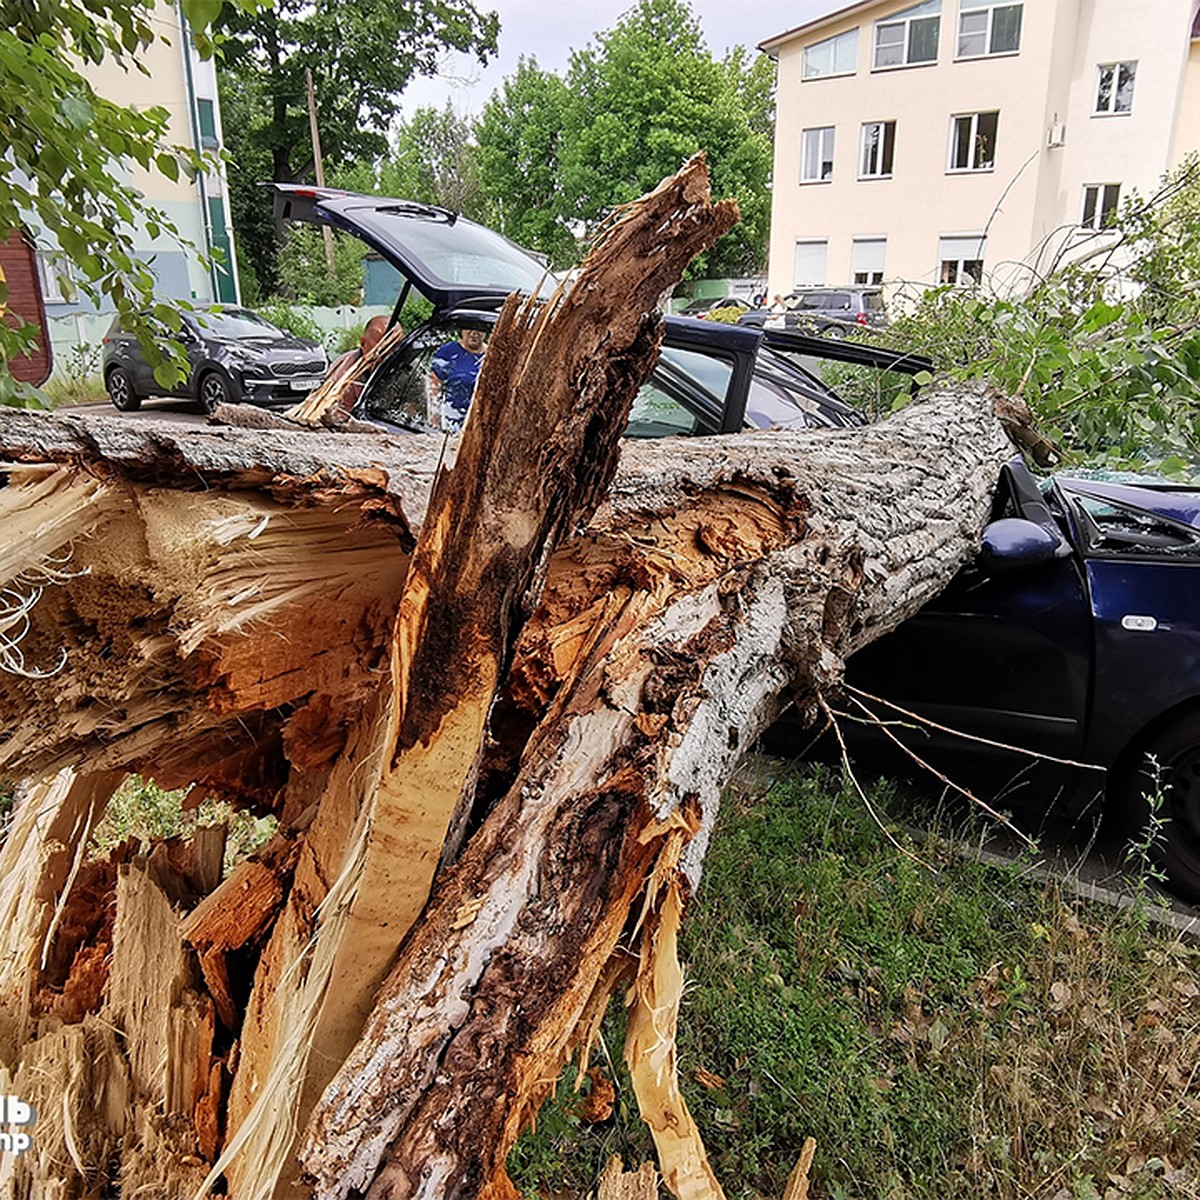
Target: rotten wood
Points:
x,y
616,1183
241,627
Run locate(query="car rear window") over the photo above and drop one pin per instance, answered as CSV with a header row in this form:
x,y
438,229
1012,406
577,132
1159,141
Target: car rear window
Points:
x,y
463,253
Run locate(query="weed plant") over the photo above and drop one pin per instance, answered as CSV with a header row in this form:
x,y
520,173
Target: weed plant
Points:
x,y
78,380
140,808
942,1028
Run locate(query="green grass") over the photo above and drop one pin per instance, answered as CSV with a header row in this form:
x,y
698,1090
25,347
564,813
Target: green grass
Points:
x,y
140,808
953,1032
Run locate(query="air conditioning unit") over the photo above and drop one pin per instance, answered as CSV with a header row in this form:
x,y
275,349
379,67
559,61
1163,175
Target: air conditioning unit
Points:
x,y
1057,135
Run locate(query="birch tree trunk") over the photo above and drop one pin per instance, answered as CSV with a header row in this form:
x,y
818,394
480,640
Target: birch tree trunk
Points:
x,y
266,615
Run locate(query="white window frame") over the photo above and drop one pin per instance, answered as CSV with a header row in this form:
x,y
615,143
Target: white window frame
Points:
x,y
55,268
1116,68
972,168
971,8
1099,207
976,244
811,243
836,43
906,18
881,149
864,248
825,151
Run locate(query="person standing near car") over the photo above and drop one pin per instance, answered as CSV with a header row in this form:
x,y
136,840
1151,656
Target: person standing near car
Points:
x,y
452,376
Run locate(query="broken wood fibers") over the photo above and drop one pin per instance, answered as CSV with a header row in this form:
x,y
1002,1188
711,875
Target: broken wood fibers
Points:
x,y
537,455
716,573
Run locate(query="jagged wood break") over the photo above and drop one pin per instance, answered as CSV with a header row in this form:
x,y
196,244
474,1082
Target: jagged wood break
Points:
x,y
296,624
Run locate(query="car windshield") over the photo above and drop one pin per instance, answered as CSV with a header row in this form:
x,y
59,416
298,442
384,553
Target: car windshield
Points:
x,y
235,323
463,253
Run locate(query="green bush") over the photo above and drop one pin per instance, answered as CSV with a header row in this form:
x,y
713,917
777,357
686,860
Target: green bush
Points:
x,y
78,379
292,320
1108,359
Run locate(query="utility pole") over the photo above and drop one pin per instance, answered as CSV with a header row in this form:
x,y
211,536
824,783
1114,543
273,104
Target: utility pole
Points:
x,y
320,166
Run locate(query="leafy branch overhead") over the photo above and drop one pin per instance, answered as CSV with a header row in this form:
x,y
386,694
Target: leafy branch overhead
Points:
x,y
72,157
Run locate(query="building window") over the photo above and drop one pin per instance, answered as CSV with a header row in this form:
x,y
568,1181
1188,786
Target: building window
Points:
x,y
866,260
908,37
809,263
988,28
1114,88
973,141
1100,205
206,113
961,259
878,149
816,157
834,56
56,275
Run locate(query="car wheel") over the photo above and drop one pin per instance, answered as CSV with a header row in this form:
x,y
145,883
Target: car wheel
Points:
x,y
120,391
1170,795
833,331
214,389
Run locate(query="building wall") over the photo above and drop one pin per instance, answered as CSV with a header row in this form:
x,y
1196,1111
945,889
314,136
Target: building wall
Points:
x,y
174,78
1033,189
1187,126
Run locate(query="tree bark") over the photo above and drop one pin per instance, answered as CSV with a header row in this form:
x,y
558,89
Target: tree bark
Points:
x,y
561,660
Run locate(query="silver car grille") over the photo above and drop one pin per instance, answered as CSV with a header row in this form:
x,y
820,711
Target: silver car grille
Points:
x,y
311,366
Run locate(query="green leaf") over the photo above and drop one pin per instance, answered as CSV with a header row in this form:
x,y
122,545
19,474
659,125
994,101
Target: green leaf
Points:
x,y
76,111
168,165
201,14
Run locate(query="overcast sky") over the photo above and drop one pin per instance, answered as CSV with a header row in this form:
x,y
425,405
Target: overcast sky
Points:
x,y
549,30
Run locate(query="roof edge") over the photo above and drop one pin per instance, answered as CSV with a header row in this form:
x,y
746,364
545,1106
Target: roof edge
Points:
x,y
771,44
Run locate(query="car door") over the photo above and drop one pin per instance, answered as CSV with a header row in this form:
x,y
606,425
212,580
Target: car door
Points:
x,y
1007,658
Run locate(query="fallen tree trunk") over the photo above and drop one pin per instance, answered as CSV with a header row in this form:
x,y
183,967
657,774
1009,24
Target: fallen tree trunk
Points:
x,y
226,602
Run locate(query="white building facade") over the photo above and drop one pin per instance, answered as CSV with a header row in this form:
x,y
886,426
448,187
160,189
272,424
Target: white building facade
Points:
x,y
952,140
177,79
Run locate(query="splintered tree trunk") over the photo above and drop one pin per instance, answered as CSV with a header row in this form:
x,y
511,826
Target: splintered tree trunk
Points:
x,y
520,681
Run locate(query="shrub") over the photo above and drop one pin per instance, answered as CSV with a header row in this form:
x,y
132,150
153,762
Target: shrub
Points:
x,y
292,320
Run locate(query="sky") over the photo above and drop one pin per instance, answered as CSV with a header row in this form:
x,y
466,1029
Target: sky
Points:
x,y
549,30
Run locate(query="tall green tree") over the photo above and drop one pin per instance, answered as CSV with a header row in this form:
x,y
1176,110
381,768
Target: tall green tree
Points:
x,y
752,77
66,152
645,97
434,158
520,153
362,54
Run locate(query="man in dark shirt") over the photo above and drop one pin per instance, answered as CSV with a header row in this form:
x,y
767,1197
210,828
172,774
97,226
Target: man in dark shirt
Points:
x,y
452,376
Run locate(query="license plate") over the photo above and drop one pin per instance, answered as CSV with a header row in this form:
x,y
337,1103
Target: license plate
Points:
x,y
303,385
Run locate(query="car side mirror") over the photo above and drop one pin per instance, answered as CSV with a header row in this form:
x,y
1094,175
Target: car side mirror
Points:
x,y
1015,544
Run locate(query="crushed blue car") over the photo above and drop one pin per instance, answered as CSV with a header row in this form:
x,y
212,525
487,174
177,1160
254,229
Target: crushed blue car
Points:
x,y
1075,633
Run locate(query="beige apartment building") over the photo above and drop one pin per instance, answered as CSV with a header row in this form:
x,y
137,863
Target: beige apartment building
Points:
x,y
958,140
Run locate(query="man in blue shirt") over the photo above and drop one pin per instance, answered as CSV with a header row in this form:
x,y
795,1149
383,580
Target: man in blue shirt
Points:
x,y
452,376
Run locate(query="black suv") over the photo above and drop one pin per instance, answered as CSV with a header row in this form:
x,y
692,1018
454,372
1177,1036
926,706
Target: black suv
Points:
x,y
831,312
711,377
233,355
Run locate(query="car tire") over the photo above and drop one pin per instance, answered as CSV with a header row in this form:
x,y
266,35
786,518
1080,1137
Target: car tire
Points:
x,y
836,332
1176,850
213,389
120,390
